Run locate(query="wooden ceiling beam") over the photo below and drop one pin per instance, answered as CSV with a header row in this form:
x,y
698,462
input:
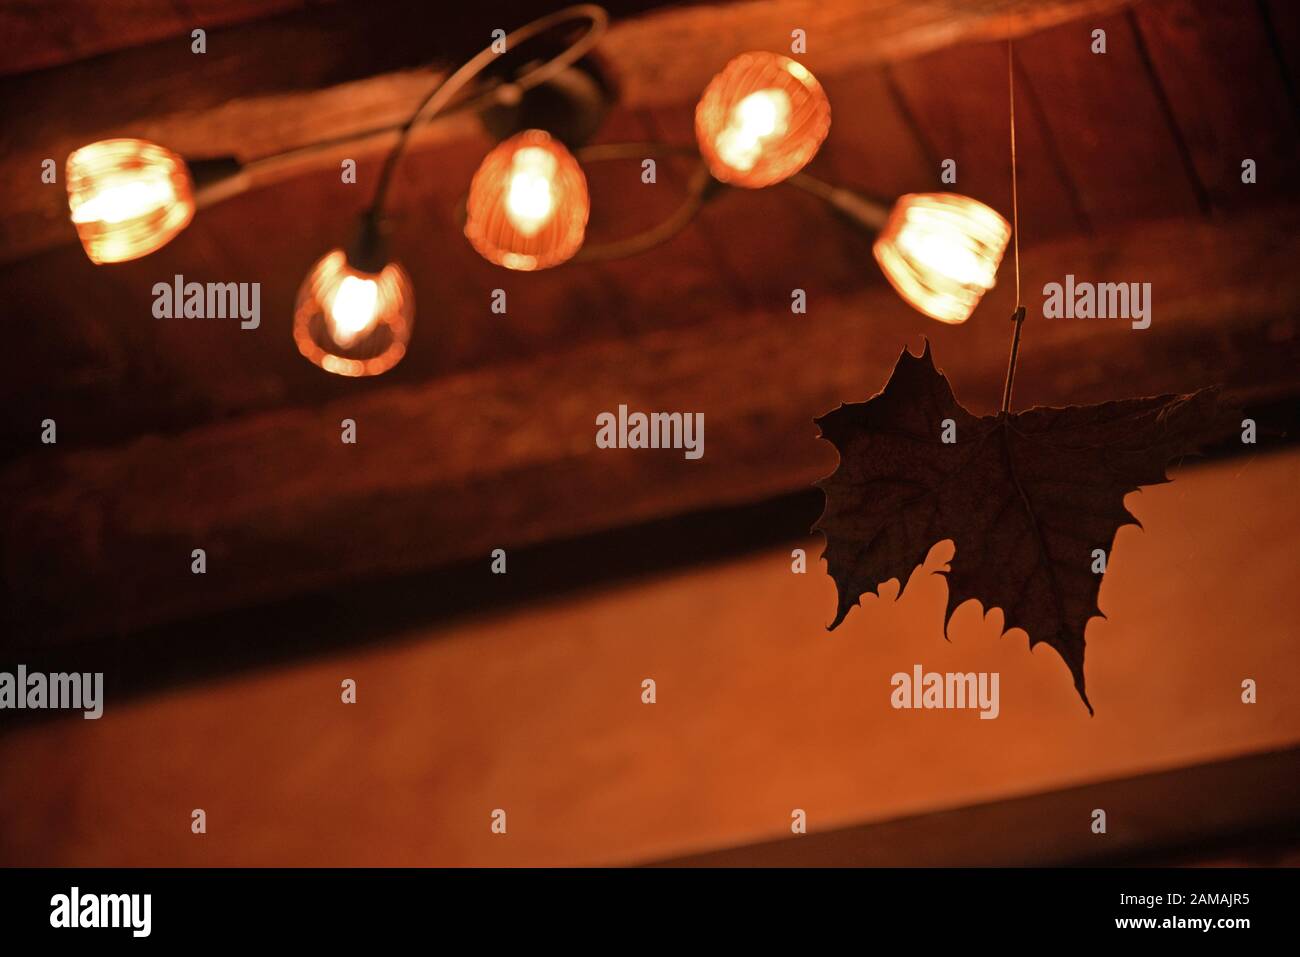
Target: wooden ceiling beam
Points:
x,y
40,34
505,456
358,69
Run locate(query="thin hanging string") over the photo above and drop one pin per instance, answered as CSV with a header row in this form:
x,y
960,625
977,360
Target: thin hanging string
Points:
x,y
1015,199
1019,315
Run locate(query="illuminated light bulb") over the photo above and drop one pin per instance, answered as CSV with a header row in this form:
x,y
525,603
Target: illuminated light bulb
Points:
x,y
352,322
128,198
761,120
754,122
528,203
941,251
351,310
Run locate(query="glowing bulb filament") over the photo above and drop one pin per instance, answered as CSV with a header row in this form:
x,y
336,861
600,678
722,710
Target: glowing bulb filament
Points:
x,y
351,322
948,254
755,120
352,309
530,199
122,199
528,204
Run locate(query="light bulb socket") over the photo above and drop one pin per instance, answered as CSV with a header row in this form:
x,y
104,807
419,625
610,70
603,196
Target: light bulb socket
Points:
x,y
869,213
218,178
368,251
570,105
212,170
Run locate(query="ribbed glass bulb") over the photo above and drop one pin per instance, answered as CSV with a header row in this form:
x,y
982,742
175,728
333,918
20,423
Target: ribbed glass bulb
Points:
x,y
941,252
528,203
128,198
352,322
761,120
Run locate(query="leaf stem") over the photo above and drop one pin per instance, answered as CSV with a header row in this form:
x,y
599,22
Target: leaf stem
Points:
x,y
1018,317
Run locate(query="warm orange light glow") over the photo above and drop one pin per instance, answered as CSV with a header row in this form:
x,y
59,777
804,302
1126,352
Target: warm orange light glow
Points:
x,y
941,252
351,322
528,203
128,198
761,120
352,309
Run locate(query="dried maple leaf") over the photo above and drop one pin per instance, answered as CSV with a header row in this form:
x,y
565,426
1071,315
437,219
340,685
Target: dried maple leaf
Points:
x,y
1025,497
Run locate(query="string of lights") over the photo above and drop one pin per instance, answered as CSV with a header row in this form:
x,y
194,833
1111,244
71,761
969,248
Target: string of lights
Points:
x,y
758,123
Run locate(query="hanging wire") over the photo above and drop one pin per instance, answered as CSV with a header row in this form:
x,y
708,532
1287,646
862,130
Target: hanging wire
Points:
x,y
1015,199
1019,315
700,186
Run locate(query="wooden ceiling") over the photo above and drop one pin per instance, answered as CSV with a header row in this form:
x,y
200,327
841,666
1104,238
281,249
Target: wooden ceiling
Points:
x,y
182,434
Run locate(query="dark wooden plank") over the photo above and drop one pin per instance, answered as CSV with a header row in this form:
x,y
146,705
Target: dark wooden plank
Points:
x,y
1282,19
1252,793
769,242
38,34
675,51
960,100
872,146
674,284
1108,119
207,13
1227,93
46,33
505,454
